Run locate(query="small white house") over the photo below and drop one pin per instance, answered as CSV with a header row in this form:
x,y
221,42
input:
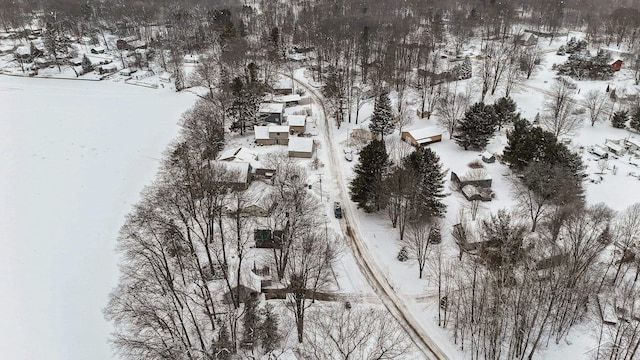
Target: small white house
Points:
x,y
301,147
297,123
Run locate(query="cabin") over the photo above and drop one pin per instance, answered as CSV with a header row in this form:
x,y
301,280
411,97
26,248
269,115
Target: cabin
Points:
x,y
527,39
271,112
632,144
616,65
130,43
142,74
297,123
300,147
422,137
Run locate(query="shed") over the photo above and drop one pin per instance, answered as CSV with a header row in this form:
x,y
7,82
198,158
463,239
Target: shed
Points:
x,y
488,157
422,137
248,284
613,147
476,177
108,69
261,134
271,112
297,123
301,147
142,74
616,65
280,134
98,50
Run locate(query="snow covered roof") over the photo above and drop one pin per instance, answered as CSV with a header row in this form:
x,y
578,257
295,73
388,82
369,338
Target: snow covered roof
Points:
x,y
613,146
261,132
633,141
425,135
247,277
297,120
23,50
297,110
240,154
286,98
242,169
271,108
279,129
283,83
110,66
6,48
98,49
191,58
301,144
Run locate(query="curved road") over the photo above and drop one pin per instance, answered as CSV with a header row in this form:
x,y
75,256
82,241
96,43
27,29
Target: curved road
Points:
x,y
365,260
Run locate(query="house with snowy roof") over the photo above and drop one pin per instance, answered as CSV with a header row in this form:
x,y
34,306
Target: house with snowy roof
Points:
x,y
422,137
271,112
301,147
297,123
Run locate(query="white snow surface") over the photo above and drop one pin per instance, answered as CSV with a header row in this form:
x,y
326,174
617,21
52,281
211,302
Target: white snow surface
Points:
x,y
74,156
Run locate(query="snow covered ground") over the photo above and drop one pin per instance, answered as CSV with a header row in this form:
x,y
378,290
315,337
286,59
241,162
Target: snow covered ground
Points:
x,y
74,156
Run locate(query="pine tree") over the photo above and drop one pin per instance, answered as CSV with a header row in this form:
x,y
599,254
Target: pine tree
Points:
x,y
505,109
366,187
250,321
635,120
269,335
382,119
223,347
477,127
86,64
619,119
427,169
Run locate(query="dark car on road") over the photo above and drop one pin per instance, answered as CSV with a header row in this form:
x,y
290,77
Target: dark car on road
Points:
x,y
337,210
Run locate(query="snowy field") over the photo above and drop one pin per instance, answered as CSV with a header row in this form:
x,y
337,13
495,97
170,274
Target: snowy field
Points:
x,y
74,156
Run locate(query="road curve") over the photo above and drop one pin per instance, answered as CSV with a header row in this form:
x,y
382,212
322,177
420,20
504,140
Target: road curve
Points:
x,y
364,259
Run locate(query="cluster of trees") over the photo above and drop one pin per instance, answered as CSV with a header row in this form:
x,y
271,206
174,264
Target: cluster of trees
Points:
x,y
592,68
480,122
548,175
186,244
620,118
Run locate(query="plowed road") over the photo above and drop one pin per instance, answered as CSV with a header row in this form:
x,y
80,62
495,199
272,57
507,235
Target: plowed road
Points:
x,y
368,265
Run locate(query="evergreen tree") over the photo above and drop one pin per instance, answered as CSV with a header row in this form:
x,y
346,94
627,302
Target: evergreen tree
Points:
x,y
366,187
619,119
427,169
247,93
382,119
250,321
224,347
477,127
635,120
86,64
505,109
268,333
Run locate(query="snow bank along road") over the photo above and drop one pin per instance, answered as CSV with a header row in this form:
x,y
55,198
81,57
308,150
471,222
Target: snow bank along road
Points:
x,y
363,256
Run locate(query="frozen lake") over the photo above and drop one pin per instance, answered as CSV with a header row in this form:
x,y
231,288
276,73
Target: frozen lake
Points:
x,y
74,156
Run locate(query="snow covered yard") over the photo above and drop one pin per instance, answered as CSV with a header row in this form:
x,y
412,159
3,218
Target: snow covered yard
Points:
x,y
74,156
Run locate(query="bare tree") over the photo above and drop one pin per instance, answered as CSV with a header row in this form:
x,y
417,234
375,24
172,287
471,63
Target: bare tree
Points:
x,y
451,107
309,270
559,107
356,333
595,102
421,234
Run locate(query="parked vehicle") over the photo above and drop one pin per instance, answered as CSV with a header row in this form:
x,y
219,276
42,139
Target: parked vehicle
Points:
x,y
348,156
337,210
